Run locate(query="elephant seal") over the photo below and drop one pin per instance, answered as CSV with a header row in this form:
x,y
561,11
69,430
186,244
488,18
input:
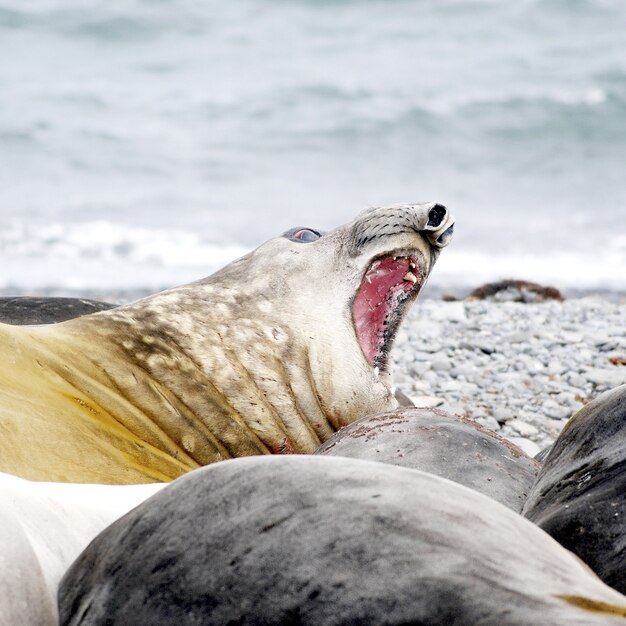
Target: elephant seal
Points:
x,y
45,526
324,541
48,310
272,354
450,446
580,494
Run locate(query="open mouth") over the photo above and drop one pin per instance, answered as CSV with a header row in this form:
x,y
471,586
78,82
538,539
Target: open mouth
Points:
x,y
389,284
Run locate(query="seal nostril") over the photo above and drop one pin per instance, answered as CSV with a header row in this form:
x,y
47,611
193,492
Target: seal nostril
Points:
x,y
447,233
436,215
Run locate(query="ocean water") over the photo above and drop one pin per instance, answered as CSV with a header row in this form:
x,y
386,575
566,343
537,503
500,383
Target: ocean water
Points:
x,y
147,143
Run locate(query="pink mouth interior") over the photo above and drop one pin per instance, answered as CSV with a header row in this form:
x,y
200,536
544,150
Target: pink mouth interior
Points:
x,y
386,284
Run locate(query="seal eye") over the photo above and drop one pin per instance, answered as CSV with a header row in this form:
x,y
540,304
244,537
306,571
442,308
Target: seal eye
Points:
x,y
305,235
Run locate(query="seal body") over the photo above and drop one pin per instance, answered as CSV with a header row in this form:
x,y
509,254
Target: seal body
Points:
x,y
45,526
323,541
272,354
580,494
31,310
453,447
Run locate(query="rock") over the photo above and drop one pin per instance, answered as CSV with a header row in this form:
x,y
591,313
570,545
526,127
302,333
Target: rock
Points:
x,y
507,377
449,312
431,347
483,345
529,447
576,380
419,368
568,399
555,367
606,377
502,413
460,386
422,355
555,411
426,402
523,428
570,338
467,370
431,377
488,422
510,290
517,337
440,364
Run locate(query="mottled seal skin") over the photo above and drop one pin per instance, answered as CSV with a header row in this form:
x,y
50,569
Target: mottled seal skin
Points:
x,y
47,310
580,494
44,527
450,446
28,310
324,541
262,357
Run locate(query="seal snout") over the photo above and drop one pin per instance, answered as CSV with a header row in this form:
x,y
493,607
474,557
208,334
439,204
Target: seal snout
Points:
x,y
436,215
443,239
440,225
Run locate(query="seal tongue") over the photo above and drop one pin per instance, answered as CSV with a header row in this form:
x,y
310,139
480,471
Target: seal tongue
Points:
x,y
386,285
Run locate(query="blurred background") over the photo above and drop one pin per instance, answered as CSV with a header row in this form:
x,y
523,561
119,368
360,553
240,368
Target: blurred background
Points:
x,y
146,143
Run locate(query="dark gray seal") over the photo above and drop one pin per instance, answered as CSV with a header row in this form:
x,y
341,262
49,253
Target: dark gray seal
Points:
x,y
270,355
447,445
327,541
21,310
580,494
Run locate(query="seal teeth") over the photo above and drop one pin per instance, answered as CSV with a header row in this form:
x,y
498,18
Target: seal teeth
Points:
x,y
376,372
410,276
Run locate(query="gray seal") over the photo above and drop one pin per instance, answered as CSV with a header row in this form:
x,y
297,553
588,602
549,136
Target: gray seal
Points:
x,y
450,446
272,354
46,310
580,494
323,541
45,526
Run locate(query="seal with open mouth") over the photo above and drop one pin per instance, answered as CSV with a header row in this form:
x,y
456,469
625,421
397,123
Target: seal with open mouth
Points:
x,y
272,354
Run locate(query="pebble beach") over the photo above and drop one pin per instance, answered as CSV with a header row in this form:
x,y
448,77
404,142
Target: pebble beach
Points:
x,y
521,369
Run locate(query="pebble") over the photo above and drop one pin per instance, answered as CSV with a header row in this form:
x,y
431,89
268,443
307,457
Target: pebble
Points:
x,y
554,410
467,370
576,380
502,414
523,428
606,378
426,402
441,364
528,446
520,369
488,422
